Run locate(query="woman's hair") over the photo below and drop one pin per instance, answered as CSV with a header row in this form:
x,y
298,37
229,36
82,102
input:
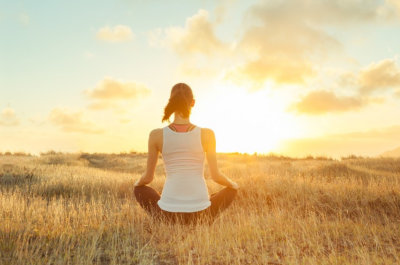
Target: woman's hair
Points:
x,y
179,101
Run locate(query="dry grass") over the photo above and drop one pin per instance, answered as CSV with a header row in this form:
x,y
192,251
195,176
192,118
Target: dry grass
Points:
x,y
79,209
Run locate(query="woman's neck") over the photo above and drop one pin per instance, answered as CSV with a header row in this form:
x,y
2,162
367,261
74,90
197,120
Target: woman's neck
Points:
x,y
178,119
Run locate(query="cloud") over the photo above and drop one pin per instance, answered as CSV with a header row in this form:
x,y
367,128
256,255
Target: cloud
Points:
x,y
286,41
393,6
196,37
202,53
8,117
378,76
283,45
322,101
221,9
283,41
70,121
119,33
332,12
110,88
109,93
279,68
100,105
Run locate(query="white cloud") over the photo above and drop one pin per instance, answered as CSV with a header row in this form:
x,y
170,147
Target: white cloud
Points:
x,y
381,76
286,40
110,92
322,101
201,52
70,121
8,117
110,88
378,76
392,7
119,33
196,37
221,9
333,12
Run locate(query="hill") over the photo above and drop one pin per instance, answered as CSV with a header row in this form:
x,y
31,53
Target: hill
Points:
x,y
80,208
392,153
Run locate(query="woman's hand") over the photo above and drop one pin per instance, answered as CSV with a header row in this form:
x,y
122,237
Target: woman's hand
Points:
x,y
144,180
136,182
234,185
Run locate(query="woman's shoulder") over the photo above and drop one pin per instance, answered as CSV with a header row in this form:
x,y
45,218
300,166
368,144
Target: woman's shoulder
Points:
x,y
206,130
207,133
156,132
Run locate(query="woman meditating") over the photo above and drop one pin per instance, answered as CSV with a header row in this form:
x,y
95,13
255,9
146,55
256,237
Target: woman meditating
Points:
x,y
183,146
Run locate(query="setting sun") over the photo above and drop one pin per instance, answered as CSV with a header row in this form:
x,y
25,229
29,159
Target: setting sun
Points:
x,y
245,121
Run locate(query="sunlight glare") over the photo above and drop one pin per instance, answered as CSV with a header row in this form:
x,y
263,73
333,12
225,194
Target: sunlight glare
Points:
x,y
245,121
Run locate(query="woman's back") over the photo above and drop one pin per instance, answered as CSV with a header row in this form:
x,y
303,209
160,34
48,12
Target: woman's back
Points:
x,y
185,189
185,192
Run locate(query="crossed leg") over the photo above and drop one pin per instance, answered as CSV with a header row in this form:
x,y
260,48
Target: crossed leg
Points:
x,y
147,198
221,200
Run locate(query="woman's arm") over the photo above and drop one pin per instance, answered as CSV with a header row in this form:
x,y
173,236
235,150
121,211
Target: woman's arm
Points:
x,y
212,162
152,158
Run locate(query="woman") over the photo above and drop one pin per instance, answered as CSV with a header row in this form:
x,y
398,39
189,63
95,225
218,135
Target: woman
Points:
x,y
183,146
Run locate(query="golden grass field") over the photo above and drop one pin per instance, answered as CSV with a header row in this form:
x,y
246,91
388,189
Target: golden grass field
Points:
x,y
79,209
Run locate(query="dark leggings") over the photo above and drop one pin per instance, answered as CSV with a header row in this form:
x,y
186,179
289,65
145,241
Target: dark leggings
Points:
x,y
147,197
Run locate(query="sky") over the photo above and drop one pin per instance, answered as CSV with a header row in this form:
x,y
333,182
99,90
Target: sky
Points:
x,y
293,77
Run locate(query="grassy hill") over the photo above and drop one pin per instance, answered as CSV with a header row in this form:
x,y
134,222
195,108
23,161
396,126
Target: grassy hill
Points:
x,y
392,153
79,209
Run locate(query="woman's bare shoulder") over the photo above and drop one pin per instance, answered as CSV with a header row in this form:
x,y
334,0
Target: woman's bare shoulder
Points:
x,y
207,136
207,131
156,132
156,137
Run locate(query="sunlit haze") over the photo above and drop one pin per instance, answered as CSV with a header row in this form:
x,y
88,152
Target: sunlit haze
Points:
x,y
290,77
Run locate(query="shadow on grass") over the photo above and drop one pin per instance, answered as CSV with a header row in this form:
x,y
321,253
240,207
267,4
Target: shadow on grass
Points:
x,y
31,183
12,176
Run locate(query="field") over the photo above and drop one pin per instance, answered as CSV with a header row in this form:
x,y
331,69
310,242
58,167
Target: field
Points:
x,y
79,209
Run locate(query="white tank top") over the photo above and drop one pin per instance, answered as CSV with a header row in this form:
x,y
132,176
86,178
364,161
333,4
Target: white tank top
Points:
x,y
185,189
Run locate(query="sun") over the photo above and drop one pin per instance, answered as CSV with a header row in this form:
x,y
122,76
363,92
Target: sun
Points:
x,y
245,121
